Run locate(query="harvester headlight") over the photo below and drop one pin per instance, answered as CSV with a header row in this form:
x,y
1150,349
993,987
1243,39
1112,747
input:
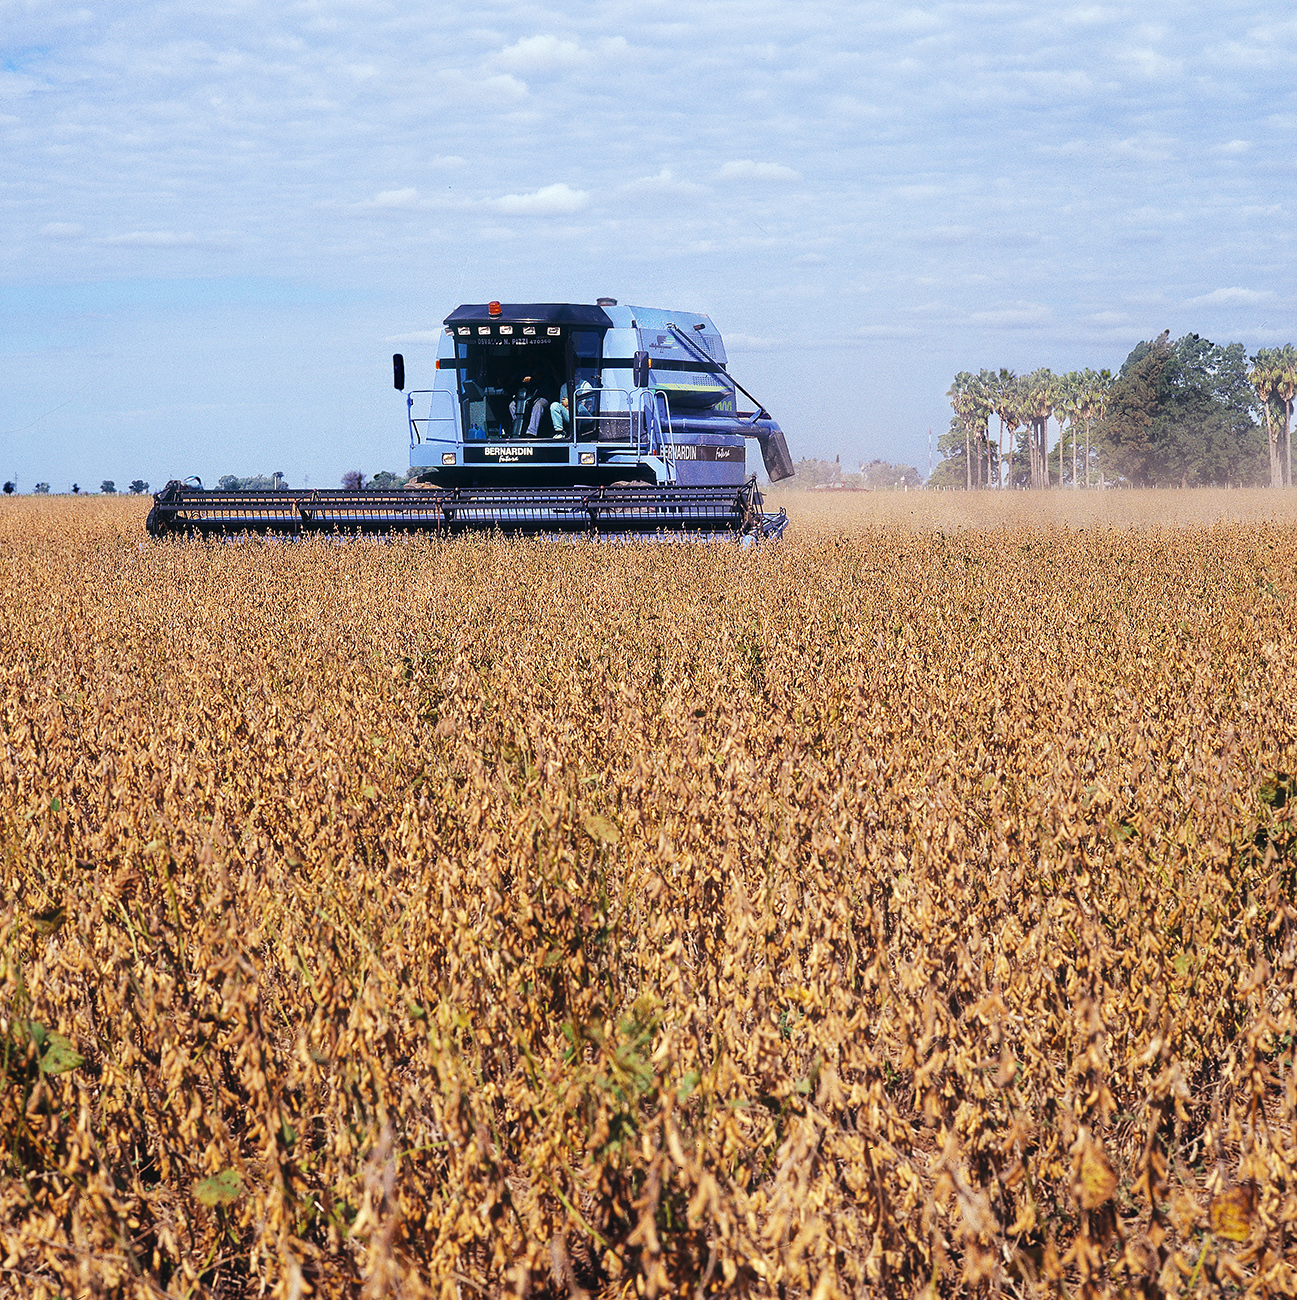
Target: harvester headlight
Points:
x,y
464,329
447,457
483,329
587,458
553,331
506,329
529,329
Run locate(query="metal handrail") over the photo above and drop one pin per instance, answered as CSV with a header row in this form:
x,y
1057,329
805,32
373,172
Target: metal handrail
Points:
x,y
651,420
628,411
417,434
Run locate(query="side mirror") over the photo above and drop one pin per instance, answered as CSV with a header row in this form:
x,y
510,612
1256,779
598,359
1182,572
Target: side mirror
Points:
x,y
641,369
774,453
398,371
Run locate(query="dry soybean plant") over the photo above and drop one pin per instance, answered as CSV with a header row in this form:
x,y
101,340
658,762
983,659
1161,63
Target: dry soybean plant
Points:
x,y
892,912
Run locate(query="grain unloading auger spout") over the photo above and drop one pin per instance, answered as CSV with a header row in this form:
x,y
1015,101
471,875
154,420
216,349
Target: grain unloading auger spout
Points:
x,y
630,512
769,436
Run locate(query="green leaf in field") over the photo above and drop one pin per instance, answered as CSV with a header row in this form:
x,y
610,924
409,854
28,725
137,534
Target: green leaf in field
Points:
x,y
58,1055
600,828
687,1085
220,1189
56,804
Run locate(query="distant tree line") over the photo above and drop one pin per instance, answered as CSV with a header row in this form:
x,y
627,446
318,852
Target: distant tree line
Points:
x,y
42,489
381,481
875,475
252,483
1188,413
353,479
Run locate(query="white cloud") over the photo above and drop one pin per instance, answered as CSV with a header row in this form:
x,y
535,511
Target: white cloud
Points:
x,y
553,54
550,201
61,230
396,198
745,169
1232,297
664,182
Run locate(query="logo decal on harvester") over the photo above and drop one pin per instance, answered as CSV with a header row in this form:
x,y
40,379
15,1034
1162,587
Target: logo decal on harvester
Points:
x,y
693,451
497,454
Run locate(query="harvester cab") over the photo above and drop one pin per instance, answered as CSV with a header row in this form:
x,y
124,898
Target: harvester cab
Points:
x,y
547,418
568,394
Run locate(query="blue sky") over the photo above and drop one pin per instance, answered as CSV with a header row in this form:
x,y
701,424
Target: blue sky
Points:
x,y
220,220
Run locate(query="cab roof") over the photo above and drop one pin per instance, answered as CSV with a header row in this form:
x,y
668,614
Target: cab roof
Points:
x,y
532,313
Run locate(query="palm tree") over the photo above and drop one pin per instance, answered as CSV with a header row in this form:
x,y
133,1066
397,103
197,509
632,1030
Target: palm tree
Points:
x,y
1069,409
1092,404
1265,377
1041,390
971,399
958,393
1006,402
985,408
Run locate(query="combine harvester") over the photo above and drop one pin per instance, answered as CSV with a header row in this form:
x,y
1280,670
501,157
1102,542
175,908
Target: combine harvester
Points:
x,y
546,418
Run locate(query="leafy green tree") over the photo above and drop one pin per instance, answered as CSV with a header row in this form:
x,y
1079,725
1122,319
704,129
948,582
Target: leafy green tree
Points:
x,y
386,479
951,470
42,488
1182,413
1132,409
1206,428
108,487
138,486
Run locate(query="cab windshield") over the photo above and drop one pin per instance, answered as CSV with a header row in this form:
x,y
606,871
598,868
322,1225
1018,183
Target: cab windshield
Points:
x,y
517,386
